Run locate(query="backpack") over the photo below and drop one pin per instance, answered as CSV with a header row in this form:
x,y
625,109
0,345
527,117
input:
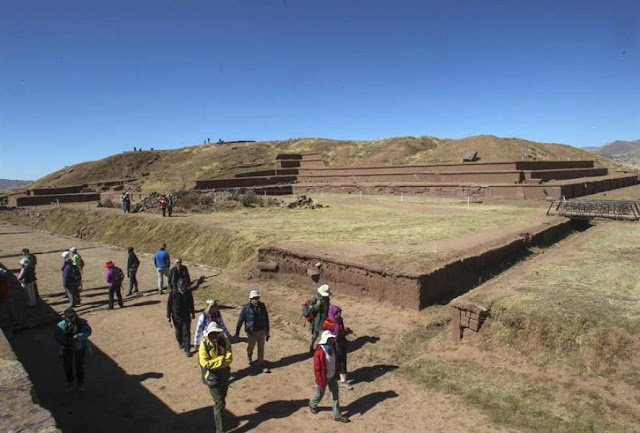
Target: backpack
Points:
x,y
118,276
307,311
74,273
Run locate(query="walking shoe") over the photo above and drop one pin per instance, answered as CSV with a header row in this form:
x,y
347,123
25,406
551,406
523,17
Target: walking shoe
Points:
x,y
342,419
249,360
189,354
346,385
314,410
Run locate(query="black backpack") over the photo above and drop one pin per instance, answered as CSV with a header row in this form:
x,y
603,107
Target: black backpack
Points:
x,y
118,276
74,273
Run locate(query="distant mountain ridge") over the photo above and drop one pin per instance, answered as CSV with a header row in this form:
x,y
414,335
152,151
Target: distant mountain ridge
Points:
x,y
626,152
6,184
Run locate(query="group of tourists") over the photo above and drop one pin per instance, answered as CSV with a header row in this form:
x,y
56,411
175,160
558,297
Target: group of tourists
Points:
x,y
212,338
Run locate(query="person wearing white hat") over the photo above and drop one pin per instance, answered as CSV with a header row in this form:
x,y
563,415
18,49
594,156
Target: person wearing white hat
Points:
x,y
27,279
215,357
320,310
325,371
70,280
255,317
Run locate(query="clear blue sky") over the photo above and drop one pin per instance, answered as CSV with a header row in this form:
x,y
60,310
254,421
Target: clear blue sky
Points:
x,y
80,80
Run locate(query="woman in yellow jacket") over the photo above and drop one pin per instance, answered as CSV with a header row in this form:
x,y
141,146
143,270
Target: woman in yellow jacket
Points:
x,y
215,358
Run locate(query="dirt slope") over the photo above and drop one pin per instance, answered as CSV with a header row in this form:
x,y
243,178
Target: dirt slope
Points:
x,y
179,168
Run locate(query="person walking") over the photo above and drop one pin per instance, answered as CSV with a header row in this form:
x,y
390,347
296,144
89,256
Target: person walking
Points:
x,y
123,202
335,324
180,310
114,277
71,280
324,368
76,259
215,357
162,261
33,262
132,270
210,314
27,280
127,202
72,334
179,274
169,205
320,309
163,205
255,317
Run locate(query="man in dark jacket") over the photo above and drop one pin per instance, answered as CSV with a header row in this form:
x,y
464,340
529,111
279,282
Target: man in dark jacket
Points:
x,y
132,271
71,280
320,309
255,317
181,310
72,333
179,274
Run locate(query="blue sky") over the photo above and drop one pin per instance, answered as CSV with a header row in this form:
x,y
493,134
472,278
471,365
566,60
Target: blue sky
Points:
x,y
80,80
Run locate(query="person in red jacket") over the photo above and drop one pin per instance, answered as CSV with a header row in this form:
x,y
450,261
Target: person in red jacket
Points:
x,y
163,205
324,366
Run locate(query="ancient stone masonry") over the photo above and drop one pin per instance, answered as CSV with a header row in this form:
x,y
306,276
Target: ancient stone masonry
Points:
x,y
307,173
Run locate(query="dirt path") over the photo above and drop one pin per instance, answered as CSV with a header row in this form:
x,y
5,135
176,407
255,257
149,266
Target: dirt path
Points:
x,y
138,380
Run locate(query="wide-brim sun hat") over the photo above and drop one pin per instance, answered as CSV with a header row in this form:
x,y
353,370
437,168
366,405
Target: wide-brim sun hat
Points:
x,y
213,327
254,294
324,290
109,264
66,255
326,335
73,249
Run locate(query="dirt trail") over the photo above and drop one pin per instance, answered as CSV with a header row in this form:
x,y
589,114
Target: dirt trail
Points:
x,y
138,380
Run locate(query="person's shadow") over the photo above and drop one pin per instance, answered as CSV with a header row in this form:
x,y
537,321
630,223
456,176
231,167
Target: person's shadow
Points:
x,y
370,373
361,341
366,402
271,410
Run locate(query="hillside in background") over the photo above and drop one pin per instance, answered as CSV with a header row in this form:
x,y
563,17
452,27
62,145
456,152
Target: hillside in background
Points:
x,y
180,168
7,184
625,152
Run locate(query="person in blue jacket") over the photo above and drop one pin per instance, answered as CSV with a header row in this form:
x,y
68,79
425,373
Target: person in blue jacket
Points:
x,y
162,262
72,334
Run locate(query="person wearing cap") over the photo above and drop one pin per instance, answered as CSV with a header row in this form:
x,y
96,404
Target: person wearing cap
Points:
x,y
70,280
215,357
179,274
132,270
27,280
210,314
320,309
114,276
255,317
180,310
162,262
325,371
77,261
72,334
33,262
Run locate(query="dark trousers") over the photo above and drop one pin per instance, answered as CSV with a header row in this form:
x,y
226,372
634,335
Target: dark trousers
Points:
x,y
219,394
164,211
133,280
314,337
118,293
68,358
183,332
169,210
